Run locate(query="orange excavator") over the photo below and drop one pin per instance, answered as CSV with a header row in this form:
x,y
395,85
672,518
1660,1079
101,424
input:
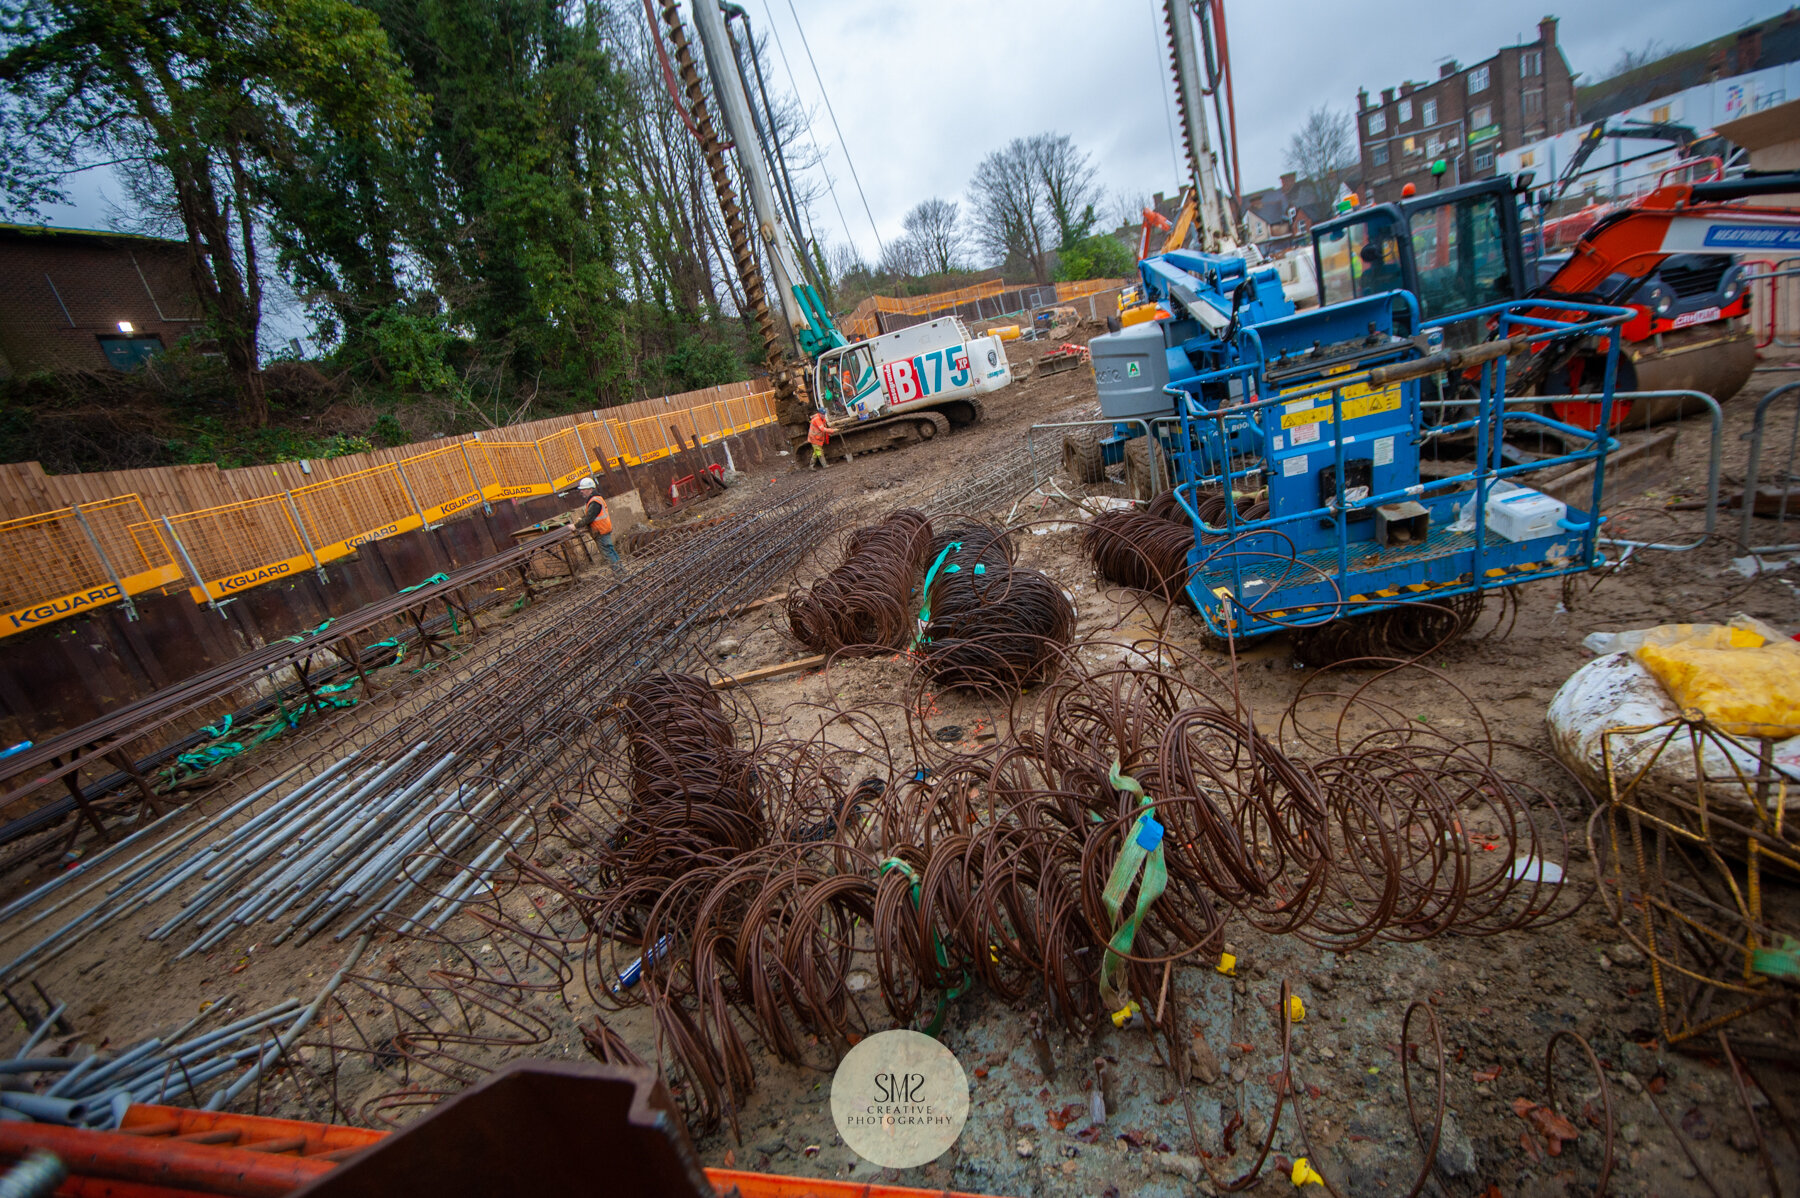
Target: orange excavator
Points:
x,y
1460,249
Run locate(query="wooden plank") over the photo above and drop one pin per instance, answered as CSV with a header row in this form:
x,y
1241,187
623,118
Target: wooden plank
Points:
x,y
730,681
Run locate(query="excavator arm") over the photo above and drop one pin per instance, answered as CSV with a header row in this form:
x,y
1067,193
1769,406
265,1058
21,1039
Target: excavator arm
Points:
x,y
1683,137
1685,218
1624,247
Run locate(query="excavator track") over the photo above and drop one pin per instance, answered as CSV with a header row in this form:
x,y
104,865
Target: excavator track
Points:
x,y
892,432
791,404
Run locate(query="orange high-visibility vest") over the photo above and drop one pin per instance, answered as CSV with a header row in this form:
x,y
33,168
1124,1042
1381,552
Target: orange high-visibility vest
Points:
x,y
601,524
820,431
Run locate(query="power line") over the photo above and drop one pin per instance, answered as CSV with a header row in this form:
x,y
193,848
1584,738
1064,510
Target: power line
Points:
x,y
806,118
805,45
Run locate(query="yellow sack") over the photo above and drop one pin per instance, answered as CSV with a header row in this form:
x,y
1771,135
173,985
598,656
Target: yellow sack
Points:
x,y
1744,682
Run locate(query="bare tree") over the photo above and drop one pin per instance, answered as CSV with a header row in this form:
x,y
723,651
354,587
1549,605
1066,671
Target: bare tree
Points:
x,y
1324,150
842,261
1128,208
1006,208
903,257
931,226
1630,60
1066,176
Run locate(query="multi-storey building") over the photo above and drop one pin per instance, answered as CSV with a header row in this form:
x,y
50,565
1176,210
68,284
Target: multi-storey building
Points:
x,y
1464,118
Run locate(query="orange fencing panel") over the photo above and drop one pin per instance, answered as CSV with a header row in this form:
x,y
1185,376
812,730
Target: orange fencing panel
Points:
x,y
239,545
74,559
600,441
1085,288
508,469
341,513
566,457
441,482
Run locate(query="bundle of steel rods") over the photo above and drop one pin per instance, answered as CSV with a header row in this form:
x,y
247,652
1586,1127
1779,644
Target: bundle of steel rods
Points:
x,y
863,605
403,817
991,625
691,789
93,1090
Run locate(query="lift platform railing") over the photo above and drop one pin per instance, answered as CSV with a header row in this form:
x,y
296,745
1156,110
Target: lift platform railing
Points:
x,y
1321,588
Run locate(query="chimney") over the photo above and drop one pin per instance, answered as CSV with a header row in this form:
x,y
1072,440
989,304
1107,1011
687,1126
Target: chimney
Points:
x,y
1547,32
1362,99
1406,89
1287,181
1448,69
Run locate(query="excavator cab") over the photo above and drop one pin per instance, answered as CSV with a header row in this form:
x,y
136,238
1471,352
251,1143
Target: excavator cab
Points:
x,y
1455,250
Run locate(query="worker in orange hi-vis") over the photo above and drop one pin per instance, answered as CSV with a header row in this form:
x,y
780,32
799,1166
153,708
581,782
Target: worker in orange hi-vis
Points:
x,y
818,432
597,519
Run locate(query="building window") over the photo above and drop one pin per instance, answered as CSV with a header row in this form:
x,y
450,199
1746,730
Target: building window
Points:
x,y
1428,112
1435,146
1379,155
1478,80
1405,112
1411,145
1532,103
1660,114
1377,123
1484,160
1480,117
1528,158
1531,63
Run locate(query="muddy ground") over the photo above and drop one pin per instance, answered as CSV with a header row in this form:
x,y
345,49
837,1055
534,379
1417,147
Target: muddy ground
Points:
x,y
1498,1000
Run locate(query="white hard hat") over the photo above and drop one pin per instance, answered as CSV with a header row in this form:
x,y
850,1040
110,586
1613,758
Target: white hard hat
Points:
x,y
586,484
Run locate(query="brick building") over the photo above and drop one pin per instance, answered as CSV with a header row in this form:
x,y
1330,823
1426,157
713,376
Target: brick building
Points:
x,y
1279,218
92,300
1464,117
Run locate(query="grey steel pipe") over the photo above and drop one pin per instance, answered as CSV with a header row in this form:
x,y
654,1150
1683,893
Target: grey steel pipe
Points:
x,y
286,1039
43,1029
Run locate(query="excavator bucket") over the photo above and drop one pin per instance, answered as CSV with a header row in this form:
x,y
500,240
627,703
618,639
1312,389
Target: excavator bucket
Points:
x,y
1710,359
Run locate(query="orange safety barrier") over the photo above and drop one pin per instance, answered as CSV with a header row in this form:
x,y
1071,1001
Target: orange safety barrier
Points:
x,y
1074,291
440,483
231,548
57,568
78,558
253,1156
342,513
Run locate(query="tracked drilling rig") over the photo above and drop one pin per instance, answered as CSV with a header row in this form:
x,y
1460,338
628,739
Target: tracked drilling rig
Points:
x,y
909,385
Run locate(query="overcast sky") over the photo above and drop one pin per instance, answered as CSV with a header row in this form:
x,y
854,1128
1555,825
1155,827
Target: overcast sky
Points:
x,y
924,88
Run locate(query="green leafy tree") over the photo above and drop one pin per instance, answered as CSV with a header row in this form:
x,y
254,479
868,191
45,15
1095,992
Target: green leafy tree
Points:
x,y
216,98
1100,256
517,189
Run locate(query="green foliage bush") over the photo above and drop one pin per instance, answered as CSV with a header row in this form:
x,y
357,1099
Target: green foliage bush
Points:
x,y
1100,256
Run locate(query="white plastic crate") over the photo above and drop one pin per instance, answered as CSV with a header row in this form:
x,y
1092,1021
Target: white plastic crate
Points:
x,y
1521,514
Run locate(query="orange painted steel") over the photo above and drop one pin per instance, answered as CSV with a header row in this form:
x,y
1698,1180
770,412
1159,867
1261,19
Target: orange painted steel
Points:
x,y
117,1156
769,1185
142,1159
144,1117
